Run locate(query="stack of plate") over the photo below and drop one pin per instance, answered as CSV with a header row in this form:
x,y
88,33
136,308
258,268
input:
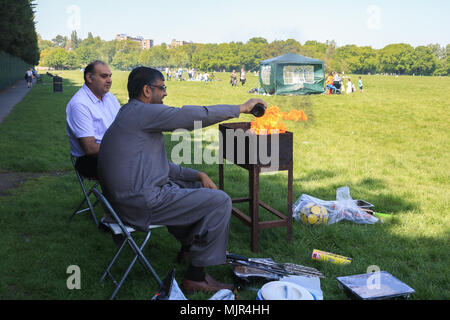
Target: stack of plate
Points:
x,y
282,290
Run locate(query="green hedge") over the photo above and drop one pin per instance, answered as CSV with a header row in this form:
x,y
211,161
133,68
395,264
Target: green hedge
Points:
x,y
11,69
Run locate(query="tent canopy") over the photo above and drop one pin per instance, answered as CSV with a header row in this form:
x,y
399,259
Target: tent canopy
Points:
x,y
292,74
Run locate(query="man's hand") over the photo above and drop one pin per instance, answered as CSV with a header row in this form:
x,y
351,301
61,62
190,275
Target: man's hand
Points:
x,y
250,104
206,181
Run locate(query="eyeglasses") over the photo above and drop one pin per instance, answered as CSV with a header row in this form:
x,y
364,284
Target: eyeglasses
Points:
x,y
163,87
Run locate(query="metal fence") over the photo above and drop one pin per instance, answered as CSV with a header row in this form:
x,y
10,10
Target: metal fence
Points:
x,y
11,70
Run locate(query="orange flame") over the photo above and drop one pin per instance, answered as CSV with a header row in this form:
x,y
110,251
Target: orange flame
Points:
x,y
294,115
271,122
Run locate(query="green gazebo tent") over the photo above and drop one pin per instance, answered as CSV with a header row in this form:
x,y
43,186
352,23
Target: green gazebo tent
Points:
x,y
291,74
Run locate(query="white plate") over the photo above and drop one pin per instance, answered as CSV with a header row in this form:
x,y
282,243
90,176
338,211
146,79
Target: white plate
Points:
x,y
282,290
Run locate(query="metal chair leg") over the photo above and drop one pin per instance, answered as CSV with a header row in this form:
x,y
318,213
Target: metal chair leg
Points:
x,y
86,196
90,206
107,271
138,255
119,228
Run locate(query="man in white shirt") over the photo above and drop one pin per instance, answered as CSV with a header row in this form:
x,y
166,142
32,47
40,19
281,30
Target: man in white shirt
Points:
x,y
89,114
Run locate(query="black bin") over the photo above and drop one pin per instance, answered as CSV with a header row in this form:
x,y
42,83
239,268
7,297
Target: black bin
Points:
x,y
57,84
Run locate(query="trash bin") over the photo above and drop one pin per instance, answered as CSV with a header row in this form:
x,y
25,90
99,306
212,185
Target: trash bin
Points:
x,y
57,84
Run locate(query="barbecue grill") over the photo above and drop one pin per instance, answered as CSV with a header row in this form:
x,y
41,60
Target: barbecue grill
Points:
x,y
257,154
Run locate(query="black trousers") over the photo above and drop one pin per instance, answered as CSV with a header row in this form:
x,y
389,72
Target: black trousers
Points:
x,y
87,167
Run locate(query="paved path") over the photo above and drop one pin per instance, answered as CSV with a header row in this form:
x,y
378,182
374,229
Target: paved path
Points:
x,y
12,96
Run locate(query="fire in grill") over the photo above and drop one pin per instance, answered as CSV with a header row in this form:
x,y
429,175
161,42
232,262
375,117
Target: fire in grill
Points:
x,y
257,153
241,146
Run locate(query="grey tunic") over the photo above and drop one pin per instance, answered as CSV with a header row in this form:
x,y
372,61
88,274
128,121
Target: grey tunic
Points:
x,y
146,188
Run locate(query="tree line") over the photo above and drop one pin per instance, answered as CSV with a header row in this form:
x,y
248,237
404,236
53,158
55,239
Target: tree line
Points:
x,y
18,34
70,53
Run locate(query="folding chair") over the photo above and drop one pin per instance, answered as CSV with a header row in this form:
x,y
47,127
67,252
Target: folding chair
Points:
x,y
120,230
86,194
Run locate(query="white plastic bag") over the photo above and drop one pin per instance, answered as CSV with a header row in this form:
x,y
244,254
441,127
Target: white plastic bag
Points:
x,y
306,201
177,294
349,210
344,208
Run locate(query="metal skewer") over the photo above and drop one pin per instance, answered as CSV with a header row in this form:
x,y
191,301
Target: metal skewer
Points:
x,y
274,267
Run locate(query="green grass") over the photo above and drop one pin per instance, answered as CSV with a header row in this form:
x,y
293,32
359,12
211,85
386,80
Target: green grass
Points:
x,y
389,145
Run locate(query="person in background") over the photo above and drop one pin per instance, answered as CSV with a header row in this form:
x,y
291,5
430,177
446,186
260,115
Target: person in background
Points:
x,y
349,86
360,84
337,82
233,78
168,73
342,89
329,83
243,77
30,78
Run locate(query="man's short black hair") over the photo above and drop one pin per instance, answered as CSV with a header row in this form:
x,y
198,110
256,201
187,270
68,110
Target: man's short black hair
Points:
x,y
140,77
90,68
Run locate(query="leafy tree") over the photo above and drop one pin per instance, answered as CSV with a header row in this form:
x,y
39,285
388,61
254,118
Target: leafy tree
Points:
x,y
396,58
425,61
127,46
178,57
85,55
353,59
107,51
59,41
74,40
44,44
91,42
257,40
58,58
124,61
156,56
18,34
279,47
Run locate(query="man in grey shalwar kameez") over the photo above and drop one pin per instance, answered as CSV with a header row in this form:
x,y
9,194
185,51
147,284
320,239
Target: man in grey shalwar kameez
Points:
x,y
146,188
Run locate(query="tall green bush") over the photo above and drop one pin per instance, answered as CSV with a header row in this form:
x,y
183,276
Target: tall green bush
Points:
x,y
18,34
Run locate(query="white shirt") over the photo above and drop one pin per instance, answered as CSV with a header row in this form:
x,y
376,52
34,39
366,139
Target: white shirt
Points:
x,y
88,116
349,87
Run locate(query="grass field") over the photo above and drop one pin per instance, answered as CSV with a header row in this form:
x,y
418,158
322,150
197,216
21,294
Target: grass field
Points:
x,y
390,145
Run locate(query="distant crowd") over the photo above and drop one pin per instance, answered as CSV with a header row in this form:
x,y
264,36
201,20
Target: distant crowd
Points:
x,y
335,84
192,75
234,78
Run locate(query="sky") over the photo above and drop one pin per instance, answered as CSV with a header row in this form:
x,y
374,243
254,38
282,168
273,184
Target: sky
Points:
x,y
374,23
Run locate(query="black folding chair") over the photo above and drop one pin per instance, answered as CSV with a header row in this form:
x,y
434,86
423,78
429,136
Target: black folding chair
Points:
x,y
124,232
86,193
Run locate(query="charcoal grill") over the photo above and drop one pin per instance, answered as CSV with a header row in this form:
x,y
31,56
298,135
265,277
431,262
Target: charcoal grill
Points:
x,y
242,148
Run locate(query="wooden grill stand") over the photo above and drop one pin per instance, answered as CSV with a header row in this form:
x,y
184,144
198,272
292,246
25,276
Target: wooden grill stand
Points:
x,y
252,220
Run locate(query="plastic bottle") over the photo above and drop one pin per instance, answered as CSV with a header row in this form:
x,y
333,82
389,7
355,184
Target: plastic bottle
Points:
x,y
330,257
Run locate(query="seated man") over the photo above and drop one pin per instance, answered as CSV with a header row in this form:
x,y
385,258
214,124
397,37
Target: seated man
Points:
x,y
146,188
88,114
